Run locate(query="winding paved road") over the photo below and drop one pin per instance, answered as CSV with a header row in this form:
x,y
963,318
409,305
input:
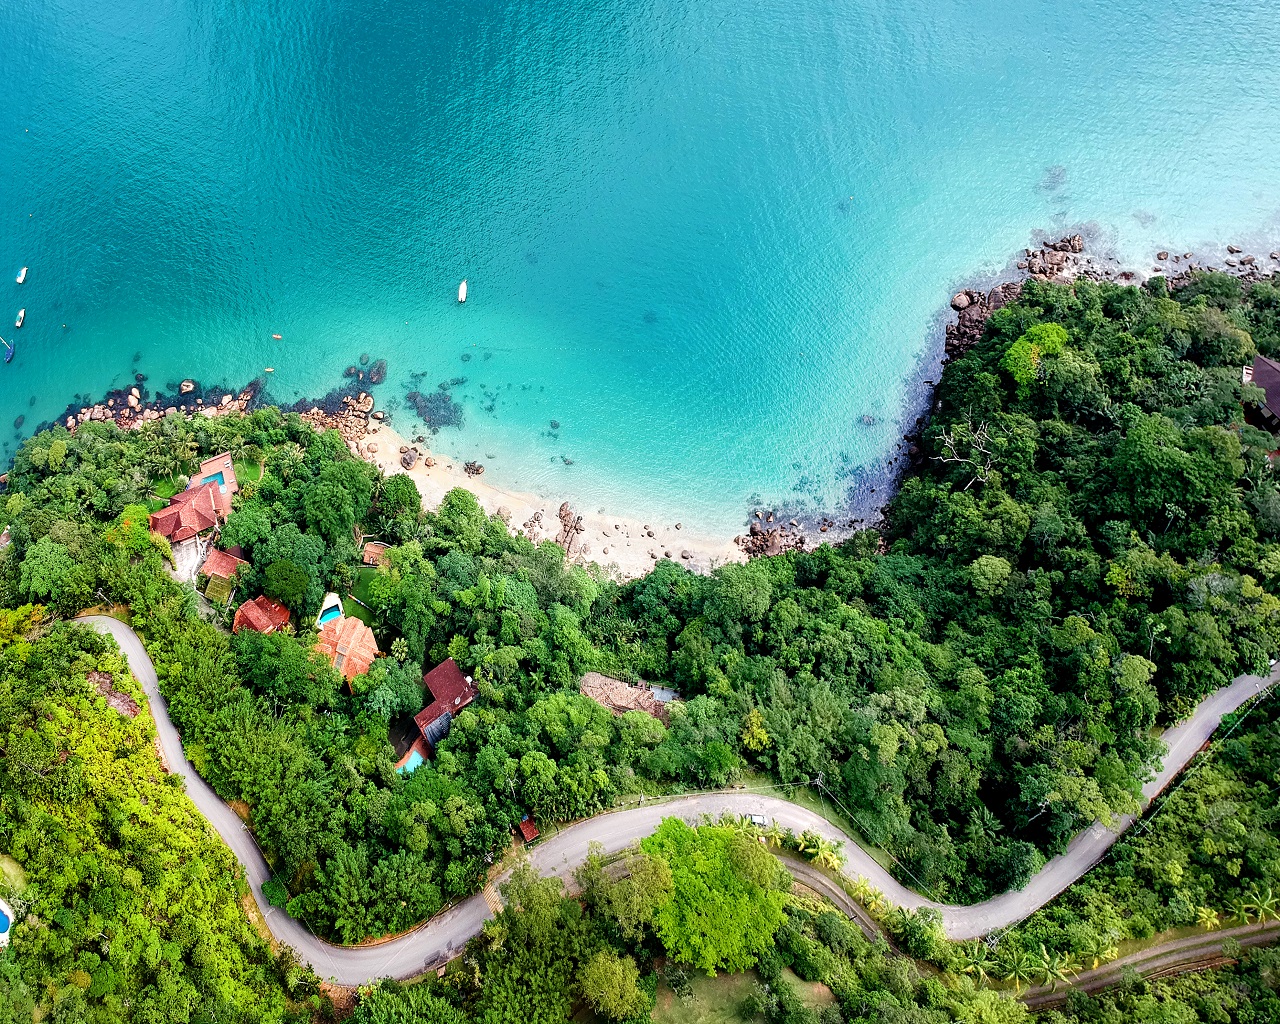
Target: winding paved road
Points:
x,y
446,933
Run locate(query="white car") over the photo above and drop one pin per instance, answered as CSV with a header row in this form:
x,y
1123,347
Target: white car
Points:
x,y
758,820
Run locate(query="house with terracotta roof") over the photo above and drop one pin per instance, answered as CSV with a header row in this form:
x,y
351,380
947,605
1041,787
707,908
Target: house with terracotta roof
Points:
x,y
1265,374
375,553
262,615
189,514
451,691
221,568
349,644
528,830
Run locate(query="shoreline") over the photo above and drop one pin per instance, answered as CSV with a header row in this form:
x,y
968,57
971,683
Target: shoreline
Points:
x,y
628,545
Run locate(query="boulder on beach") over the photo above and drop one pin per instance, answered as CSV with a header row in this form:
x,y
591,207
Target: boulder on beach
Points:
x,y
960,301
186,387
409,459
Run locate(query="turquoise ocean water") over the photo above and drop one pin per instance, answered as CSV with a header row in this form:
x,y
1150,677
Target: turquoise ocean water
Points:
x,y
706,238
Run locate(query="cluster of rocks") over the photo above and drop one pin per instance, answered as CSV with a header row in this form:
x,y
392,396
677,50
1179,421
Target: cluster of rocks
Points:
x,y
376,373
351,418
473,468
571,532
763,539
1053,259
532,527
974,308
129,410
1238,263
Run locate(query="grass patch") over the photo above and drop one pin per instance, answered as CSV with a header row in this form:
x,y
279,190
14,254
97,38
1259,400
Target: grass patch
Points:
x,y
715,1000
247,472
360,589
165,487
354,610
11,873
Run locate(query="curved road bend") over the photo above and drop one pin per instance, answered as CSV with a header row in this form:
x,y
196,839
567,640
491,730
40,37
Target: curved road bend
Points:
x,y
446,933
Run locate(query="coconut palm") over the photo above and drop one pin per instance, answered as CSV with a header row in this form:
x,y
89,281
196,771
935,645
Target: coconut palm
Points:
x,y
1055,968
809,843
1265,904
1207,918
975,959
1100,948
775,834
1241,911
827,855
1017,966
862,890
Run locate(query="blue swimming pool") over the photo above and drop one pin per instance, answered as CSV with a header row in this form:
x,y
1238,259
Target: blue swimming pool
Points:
x,y
415,759
330,613
216,478
4,918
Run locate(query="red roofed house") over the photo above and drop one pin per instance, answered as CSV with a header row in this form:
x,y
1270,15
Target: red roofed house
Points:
x,y
375,553
528,830
189,514
451,692
221,568
262,615
218,470
349,644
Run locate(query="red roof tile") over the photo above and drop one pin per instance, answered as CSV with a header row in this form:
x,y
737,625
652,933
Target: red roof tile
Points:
x,y
375,553
451,690
528,829
349,644
262,615
221,564
189,514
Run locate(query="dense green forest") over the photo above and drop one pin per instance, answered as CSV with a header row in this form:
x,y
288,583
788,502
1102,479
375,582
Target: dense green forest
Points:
x,y
1088,547
129,910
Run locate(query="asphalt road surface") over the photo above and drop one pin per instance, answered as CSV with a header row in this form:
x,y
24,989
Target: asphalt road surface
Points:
x,y
445,934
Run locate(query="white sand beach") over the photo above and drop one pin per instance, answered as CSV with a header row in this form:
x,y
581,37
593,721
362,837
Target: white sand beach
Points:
x,y
625,546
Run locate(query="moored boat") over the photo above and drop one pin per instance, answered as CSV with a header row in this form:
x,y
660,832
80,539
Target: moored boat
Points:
x,y
22,315
22,275
462,291
8,350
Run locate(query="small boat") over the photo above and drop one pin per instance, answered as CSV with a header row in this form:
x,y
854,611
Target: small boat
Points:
x,y
8,354
462,291
276,336
22,275
22,315
269,369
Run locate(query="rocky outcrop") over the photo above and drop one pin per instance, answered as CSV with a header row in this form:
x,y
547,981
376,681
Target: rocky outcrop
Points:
x,y
572,529
972,321
762,538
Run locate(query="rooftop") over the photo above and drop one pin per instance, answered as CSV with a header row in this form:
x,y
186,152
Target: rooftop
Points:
x,y
451,692
262,615
220,466
375,553
349,644
189,514
221,564
528,830
1266,375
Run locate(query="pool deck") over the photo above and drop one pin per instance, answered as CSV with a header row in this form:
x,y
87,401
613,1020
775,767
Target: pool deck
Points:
x,y
212,469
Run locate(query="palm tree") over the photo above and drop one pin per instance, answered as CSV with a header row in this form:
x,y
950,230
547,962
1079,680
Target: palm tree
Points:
x,y
828,856
1265,904
1241,911
774,834
1055,968
976,960
1207,918
1101,948
1018,967
808,843
862,890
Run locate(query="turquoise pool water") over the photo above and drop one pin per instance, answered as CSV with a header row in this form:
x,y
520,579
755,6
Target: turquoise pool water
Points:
x,y
4,922
216,478
706,240
330,613
415,759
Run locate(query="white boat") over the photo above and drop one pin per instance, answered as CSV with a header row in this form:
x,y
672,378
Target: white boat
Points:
x,y
22,315
22,275
462,291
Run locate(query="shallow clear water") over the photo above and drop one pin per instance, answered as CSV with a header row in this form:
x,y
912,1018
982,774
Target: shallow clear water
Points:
x,y
707,239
